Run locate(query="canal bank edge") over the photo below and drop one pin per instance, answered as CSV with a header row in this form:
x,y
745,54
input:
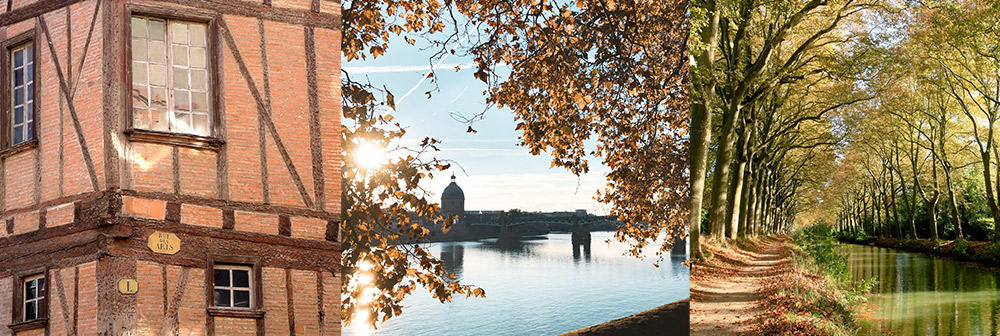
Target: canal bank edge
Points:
x,y
984,253
668,319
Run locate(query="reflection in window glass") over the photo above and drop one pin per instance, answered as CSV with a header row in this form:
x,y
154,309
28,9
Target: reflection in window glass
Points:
x,y
170,76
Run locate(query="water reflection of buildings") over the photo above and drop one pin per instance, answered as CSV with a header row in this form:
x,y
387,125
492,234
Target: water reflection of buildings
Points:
x,y
452,257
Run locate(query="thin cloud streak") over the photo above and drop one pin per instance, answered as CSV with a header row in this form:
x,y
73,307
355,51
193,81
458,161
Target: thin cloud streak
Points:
x,y
404,68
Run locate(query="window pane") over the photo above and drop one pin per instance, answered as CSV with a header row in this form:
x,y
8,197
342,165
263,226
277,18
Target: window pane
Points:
x,y
140,118
139,52
157,74
199,101
180,55
158,119
222,277
197,34
180,78
18,57
139,73
18,134
30,291
241,278
29,51
138,27
139,98
182,100
19,96
158,97
241,298
182,122
222,298
157,52
178,32
199,79
30,131
198,59
19,77
156,30
201,124
19,114
30,311
31,93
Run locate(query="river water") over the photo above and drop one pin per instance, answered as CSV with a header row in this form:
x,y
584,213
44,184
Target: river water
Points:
x,y
918,294
539,287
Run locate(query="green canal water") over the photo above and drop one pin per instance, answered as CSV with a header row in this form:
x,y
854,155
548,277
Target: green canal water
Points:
x,y
917,294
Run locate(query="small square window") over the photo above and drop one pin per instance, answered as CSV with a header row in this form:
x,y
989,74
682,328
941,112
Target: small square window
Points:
x,y
233,286
33,299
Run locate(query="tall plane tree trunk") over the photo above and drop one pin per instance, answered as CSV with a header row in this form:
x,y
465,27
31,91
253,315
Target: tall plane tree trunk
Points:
x,y
733,208
701,128
720,176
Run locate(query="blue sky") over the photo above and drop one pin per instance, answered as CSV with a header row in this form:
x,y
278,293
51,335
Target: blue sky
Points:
x,y
498,174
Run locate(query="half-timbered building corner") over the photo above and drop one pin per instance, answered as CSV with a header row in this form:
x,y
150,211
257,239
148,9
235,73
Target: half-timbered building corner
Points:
x,y
170,167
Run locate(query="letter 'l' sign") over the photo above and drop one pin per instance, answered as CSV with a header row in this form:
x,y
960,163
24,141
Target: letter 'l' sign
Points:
x,y
128,286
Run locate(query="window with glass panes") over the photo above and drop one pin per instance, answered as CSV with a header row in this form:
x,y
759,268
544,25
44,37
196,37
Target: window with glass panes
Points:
x,y
34,298
232,286
170,90
22,94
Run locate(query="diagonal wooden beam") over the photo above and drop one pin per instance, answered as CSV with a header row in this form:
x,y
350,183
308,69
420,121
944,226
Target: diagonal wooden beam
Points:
x,y
315,131
169,324
63,302
86,47
261,130
265,112
72,107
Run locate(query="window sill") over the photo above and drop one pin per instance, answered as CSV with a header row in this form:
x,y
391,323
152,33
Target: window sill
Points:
x,y
176,139
30,325
21,147
233,312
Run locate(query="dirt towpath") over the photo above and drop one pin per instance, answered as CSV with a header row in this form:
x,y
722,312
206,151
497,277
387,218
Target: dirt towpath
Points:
x,y
725,289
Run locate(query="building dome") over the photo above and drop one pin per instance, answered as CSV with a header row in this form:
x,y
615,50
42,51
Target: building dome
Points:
x,y
453,190
453,199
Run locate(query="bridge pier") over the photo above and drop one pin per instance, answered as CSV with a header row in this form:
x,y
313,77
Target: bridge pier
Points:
x,y
580,237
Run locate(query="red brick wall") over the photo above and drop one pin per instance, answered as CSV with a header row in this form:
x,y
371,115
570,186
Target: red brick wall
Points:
x,y
6,298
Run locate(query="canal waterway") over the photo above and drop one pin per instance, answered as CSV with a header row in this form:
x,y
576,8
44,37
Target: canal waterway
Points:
x,y
917,294
539,287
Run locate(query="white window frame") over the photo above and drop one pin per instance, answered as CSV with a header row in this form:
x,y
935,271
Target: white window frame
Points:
x,y
171,111
29,114
39,299
231,288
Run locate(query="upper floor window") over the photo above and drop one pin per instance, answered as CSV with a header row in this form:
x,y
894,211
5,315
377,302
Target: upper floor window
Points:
x,y
170,83
33,302
22,93
232,286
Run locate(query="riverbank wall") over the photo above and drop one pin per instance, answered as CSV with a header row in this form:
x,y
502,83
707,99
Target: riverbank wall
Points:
x,y
657,321
987,253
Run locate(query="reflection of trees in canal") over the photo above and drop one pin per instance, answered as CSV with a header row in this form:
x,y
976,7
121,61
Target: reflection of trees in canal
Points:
x,y
920,295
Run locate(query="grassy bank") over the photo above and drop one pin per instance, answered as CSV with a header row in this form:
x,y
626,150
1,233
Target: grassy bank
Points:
x,y
815,296
987,253
672,316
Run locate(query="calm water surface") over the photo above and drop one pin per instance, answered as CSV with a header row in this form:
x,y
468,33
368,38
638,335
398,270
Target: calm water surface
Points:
x,y
917,294
538,287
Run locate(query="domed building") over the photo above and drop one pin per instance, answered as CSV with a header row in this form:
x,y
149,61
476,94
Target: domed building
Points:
x,y
453,199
